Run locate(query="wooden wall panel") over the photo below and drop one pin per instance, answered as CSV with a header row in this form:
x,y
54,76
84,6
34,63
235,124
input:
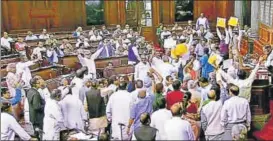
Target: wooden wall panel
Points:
x,y
48,14
111,12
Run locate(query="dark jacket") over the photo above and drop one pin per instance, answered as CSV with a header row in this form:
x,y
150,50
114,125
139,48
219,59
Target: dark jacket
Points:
x,y
36,108
145,133
95,103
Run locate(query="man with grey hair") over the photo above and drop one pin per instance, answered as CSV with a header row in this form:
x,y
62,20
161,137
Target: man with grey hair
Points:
x,y
142,68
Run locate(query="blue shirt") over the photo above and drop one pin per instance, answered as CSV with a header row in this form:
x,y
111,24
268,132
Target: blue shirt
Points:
x,y
15,99
206,66
144,105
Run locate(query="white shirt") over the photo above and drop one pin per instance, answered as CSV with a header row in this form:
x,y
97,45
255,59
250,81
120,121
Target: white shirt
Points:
x,y
178,129
244,85
53,120
90,63
6,42
167,69
23,68
37,51
165,33
85,43
45,94
169,43
118,111
42,36
9,126
269,60
141,70
202,21
235,109
205,92
212,114
158,120
11,88
33,37
73,111
79,83
196,65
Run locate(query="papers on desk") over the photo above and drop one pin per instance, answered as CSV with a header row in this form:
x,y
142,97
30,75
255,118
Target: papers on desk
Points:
x,y
82,136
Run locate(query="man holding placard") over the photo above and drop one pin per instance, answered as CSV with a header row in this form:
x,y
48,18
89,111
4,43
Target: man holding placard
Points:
x,y
224,38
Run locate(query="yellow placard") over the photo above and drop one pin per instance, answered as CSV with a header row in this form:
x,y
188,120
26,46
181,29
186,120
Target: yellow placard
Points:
x,y
212,59
221,22
233,21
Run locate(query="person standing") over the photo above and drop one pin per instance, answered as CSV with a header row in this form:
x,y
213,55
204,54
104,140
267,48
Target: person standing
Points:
x,y
235,111
95,106
142,68
145,131
160,117
202,20
53,119
118,112
211,116
36,104
177,128
9,125
73,111
174,96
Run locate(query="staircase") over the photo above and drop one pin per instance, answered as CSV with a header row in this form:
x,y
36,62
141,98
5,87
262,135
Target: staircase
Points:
x,y
267,132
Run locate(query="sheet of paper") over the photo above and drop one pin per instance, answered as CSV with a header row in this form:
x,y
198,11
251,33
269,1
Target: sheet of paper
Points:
x,y
227,63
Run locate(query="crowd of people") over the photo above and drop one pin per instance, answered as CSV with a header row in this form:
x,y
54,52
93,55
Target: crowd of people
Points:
x,y
189,96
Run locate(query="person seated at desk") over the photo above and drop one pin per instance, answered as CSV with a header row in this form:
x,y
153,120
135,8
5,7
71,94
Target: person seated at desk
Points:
x,y
109,70
95,36
78,32
44,35
51,40
165,33
104,32
5,42
83,40
66,47
53,54
36,54
176,27
126,29
120,48
118,31
130,34
91,32
20,46
30,36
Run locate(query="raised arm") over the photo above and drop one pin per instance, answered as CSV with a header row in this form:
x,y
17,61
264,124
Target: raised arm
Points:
x,y
96,54
227,37
218,33
230,32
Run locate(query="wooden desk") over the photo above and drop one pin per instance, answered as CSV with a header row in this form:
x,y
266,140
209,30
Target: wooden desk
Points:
x,y
260,98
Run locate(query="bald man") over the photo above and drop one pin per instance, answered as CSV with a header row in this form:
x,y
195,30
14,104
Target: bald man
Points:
x,y
145,132
235,111
211,116
177,128
144,105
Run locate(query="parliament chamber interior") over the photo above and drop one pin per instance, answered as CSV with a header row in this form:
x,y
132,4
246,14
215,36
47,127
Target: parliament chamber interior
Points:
x,y
136,70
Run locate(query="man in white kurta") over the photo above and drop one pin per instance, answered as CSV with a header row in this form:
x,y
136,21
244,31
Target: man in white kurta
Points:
x,y
5,41
22,69
53,119
177,128
9,126
73,112
89,61
159,118
141,69
118,111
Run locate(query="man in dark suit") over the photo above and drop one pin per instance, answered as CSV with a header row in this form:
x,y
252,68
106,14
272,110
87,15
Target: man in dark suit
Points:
x,y
36,104
145,132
